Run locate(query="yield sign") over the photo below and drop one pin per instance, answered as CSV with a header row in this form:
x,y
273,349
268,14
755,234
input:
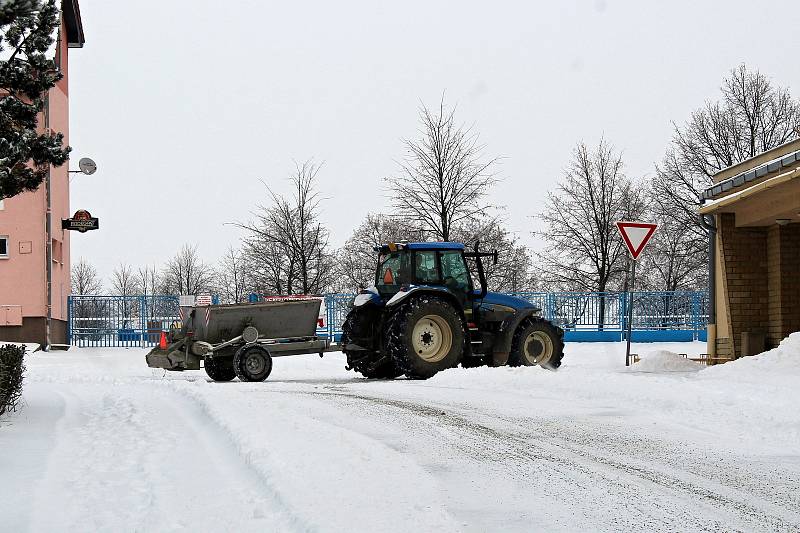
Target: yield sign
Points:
x,y
636,235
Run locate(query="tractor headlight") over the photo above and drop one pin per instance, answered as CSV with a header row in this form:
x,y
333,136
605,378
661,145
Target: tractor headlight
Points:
x,y
503,308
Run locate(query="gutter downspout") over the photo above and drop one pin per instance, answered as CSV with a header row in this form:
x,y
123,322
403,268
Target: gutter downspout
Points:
x,y
49,258
48,246
708,223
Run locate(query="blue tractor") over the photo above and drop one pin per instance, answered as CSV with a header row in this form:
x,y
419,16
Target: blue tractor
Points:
x,y
424,315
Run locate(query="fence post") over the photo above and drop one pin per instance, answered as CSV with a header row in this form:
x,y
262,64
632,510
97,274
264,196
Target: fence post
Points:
x,y
329,314
142,319
696,314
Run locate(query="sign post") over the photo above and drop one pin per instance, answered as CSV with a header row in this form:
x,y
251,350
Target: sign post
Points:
x,y
635,235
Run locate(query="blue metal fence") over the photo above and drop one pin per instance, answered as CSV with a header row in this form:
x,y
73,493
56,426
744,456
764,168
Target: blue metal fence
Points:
x,y
119,320
585,317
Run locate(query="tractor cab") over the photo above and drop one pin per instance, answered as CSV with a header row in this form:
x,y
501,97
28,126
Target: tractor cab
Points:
x,y
432,264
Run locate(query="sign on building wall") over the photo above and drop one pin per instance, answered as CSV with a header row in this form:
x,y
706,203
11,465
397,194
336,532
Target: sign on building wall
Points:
x,y
81,221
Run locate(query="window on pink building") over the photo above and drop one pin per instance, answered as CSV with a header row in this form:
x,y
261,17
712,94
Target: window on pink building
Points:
x,y
3,246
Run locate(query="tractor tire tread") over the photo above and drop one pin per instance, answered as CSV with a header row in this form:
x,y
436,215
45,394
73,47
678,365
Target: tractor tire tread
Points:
x,y
397,347
369,364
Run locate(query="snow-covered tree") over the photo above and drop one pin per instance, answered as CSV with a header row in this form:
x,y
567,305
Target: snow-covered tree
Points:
x,y
27,28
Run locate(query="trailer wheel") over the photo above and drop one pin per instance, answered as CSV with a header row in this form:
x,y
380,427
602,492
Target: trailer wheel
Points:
x,y
219,368
537,342
425,335
252,363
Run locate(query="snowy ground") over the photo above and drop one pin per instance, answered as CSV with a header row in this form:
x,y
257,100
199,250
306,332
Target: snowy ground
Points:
x,y
104,443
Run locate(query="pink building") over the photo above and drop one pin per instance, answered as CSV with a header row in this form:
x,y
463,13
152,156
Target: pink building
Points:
x,y
26,298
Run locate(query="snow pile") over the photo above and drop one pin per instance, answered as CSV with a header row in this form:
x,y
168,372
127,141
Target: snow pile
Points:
x,y
665,361
782,362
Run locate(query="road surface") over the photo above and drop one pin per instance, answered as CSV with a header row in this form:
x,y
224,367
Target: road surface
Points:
x,y
105,443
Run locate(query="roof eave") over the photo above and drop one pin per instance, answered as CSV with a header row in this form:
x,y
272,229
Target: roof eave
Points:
x,y
73,24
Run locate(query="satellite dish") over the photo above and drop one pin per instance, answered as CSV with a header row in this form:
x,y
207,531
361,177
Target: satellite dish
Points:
x,y
87,166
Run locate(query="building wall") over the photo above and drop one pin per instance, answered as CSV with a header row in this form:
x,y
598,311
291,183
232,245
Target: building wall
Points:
x,y
23,273
744,274
758,279
783,258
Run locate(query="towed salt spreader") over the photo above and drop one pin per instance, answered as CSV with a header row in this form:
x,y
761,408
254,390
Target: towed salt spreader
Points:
x,y
240,340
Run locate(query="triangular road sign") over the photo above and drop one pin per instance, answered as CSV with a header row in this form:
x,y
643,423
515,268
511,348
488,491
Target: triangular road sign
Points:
x,y
636,235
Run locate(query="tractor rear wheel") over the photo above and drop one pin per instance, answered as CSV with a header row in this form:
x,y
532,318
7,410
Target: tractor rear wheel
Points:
x,y
424,336
537,342
219,368
252,363
368,363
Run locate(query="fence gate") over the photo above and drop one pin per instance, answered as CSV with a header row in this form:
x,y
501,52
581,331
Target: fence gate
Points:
x,y
119,320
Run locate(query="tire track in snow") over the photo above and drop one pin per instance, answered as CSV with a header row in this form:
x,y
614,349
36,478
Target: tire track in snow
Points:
x,y
727,498
139,458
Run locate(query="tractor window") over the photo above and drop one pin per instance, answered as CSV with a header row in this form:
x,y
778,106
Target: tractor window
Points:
x,y
425,267
454,271
392,272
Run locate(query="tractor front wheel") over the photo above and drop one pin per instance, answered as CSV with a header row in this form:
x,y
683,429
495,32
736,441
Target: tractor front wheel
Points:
x,y
537,342
368,363
425,335
252,363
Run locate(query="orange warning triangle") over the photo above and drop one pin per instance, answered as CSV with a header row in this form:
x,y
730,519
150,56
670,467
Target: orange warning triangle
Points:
x,y
388,277
162,342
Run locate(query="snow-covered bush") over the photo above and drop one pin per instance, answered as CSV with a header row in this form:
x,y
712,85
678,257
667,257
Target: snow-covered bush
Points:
x,y
12,367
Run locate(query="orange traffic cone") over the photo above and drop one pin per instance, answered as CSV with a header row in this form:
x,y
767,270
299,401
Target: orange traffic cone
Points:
x,y
162,342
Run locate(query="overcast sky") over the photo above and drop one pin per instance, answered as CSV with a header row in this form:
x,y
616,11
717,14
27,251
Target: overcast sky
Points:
x,y
186,105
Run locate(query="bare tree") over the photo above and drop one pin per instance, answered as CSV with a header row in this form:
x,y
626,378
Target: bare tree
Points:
x,y
151,285
752,117
443,179
149,279
124,282
84,279
231,278
292,227
675,259
514,269
269,269
357,260
186,273
584,250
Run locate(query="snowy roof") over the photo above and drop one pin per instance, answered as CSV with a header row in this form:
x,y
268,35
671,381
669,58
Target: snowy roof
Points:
x,y
789,160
